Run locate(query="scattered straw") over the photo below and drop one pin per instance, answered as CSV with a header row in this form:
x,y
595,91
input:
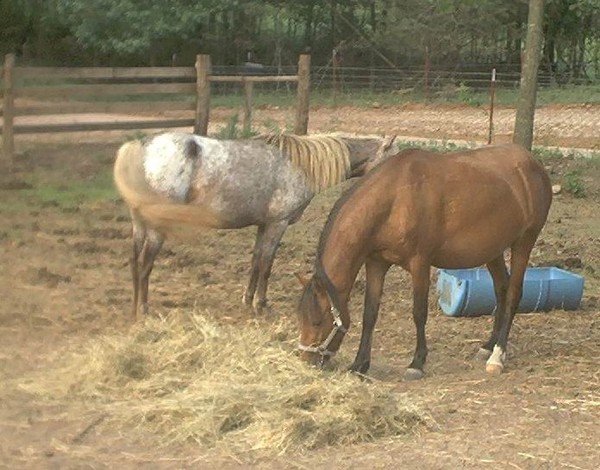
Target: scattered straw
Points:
x,y
189,379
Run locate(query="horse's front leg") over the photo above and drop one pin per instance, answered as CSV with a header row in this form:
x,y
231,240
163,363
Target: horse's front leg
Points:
x,y
268,247
251,289
375,276
420,284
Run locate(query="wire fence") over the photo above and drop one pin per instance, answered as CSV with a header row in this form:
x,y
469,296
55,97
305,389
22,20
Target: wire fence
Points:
x,y
475,77
572,120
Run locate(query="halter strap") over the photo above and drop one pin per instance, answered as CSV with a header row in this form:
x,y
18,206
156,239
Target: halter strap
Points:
x,y
322,348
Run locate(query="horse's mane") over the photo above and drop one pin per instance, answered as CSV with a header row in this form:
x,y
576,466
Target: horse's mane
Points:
x,y
325,160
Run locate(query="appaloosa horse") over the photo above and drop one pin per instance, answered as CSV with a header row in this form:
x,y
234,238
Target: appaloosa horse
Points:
x,y
174,179
419,209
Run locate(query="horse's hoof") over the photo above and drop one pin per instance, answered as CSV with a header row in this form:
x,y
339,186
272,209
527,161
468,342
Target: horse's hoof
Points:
x,y
495,363
483,354
143,312
413,374
246,300
260,307
494,368
361,376
360,368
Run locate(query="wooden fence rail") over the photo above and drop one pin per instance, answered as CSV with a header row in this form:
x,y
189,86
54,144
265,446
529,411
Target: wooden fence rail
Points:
x,y
43,91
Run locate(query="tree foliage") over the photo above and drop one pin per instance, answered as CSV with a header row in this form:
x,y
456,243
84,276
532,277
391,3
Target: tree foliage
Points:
x,y
364,32
130,26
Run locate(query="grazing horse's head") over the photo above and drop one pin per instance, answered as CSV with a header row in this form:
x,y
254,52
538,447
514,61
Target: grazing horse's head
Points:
x,y
385,150
321,329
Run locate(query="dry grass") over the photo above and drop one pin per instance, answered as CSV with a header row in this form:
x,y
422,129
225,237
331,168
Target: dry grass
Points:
x,y
188,379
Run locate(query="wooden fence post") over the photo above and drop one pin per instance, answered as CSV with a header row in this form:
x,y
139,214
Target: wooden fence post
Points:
x,y
202,94
301,126
427,72
334,76
8,112
492,96
248,86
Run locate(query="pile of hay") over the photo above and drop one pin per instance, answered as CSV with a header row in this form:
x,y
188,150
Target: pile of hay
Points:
x,y
191,379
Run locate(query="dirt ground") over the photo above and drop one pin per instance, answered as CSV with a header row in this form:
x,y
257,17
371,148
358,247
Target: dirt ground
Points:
x,y
65,280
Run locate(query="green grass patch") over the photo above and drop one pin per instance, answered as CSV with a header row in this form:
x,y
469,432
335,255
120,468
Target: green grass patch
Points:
x,y
460,94
233,130
431,145
571,94
235,98
230,95
137,98
573,183
547,155
47,193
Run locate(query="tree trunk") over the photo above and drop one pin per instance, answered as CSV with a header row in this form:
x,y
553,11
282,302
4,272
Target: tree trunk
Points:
x,y
523,134
332,13
373,19
308,25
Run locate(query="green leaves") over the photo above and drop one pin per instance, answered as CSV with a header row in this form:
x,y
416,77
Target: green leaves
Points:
x,y
131,26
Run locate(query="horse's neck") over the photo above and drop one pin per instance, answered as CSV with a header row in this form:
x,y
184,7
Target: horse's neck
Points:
x,y
324,160
341,260
347,235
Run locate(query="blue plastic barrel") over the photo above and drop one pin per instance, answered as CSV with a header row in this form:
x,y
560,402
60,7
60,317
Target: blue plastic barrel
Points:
x,y
470,292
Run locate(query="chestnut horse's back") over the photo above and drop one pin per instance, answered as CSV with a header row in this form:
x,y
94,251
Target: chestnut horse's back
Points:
x,y
526,175
461,208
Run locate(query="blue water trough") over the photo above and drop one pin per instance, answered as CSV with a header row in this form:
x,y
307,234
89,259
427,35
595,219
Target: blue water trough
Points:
x,y
470,292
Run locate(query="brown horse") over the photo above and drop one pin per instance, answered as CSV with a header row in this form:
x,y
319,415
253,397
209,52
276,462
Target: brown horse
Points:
x,y
419,209
174,179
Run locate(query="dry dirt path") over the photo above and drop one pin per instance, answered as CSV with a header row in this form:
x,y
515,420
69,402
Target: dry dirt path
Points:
x,y
574,126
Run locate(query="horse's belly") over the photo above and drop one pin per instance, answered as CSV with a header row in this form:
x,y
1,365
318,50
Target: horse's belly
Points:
x,y
257,208
470,250
464,260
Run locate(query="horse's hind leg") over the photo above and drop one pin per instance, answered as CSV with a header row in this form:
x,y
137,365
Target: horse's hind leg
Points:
x,y
375,275
497,269
268,247
251,289
138,235
520,252
151,248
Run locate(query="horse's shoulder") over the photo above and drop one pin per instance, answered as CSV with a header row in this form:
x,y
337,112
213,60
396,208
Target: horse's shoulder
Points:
x,y
407,164
414,156
509,151
406,156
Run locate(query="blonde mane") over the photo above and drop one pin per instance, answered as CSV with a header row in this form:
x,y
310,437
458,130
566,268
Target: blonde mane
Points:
x,y
325,160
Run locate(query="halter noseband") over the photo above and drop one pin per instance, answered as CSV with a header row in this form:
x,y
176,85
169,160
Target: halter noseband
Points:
x,y
322,348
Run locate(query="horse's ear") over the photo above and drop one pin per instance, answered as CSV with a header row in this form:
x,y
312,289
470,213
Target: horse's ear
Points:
x,y
303,279
388,141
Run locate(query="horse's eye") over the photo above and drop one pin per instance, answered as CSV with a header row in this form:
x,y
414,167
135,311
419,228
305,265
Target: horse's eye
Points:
x,y
316,317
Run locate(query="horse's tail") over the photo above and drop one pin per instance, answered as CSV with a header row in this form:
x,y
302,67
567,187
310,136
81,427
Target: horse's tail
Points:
x,y
156,210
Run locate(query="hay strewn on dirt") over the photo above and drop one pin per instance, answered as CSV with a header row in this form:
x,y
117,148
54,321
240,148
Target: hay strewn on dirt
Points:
x,y
189,379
